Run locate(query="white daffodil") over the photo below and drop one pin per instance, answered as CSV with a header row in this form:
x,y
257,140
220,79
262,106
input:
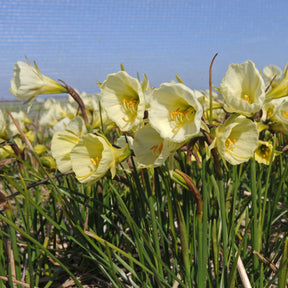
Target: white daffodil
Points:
x,y
150,149
280,117
175,112
123,100
61,125
272,72
55,112
63,142
236,140
270,108
280,89
93,156
243,89
28,82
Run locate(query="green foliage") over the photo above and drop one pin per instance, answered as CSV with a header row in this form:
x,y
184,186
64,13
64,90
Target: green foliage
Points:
x,y
141,229
156,212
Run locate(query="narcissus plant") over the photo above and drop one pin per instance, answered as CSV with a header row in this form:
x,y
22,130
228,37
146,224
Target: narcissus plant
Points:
x,y
280,117
28,82
175,112
264,151
63,142
272,73
281,89
243,89
150,149
93,156
123,100
236,140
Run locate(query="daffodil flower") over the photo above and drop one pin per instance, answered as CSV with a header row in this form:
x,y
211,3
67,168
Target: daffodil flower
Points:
x,y
150,149
243,89
93,156
263,152
236,140
175,112
281,89
272,73
280,117
55,112
28,82
123,100
63,142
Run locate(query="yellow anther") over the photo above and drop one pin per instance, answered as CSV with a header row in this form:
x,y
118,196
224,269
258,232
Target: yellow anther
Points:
x,y
246,98
130,107
269,112
284,114
181,117
230,143
95,161
157,149
130,104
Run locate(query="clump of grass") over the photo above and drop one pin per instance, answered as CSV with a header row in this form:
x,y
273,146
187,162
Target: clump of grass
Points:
x,y
144,229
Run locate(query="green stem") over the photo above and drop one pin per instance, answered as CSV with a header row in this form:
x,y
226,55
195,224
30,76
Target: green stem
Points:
x,y
219,189
255,236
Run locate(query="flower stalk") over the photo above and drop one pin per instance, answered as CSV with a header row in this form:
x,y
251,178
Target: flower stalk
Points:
x,y
79,101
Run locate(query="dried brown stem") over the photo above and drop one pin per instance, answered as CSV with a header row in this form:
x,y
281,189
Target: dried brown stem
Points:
x,y
79,101
267,88
210,88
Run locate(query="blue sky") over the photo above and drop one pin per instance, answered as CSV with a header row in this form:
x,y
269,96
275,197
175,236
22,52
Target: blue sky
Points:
x,y
81,42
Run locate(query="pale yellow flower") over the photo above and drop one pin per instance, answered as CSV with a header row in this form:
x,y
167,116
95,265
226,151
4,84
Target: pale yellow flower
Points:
x,y
123,100
243,89
63,142
280,116
264,151
272,72
175,112
28,82
55,112
281,89
94,156
270,109
150,149
236,140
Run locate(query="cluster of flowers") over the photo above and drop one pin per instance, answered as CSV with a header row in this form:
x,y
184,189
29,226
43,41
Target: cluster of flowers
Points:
x,y
155,122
